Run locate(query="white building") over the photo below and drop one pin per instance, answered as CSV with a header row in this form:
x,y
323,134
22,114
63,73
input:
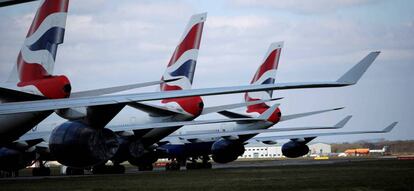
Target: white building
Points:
x,y
261,150
319,149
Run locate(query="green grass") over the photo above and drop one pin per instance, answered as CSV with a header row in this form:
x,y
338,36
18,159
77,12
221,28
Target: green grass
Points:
x,y
358,176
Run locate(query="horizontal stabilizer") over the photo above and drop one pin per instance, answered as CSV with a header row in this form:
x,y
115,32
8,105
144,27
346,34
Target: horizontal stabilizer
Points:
x,y
269,112
154,110
11,95
232,115
220,108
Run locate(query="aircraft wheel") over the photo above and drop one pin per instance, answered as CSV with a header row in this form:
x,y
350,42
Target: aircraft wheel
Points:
x,y
74,171
207,165
45,171
145,167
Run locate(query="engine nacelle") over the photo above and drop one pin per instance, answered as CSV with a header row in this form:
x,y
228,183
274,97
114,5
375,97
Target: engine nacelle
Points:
x,y
133,151
11,160
224,151
75,144
293,149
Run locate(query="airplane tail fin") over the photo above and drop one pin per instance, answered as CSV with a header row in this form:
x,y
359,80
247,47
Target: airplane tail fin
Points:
x,y
33,71
182,67
265,74
183,61
37,56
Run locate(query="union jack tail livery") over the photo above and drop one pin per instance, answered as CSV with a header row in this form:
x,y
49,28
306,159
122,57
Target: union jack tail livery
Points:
x,y
183,61
34,68
264,75
182,65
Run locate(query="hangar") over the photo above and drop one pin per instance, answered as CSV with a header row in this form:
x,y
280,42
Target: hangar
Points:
x,y
261,150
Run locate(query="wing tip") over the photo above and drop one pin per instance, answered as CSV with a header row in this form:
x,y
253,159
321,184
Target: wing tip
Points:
x,y
390,127
343,122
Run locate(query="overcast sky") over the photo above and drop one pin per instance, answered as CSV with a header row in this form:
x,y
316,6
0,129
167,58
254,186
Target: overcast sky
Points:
x,y
111,43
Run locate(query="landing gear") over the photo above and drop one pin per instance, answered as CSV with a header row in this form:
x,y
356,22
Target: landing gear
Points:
x,y
145,167
172,166
205,164
104,169
41,170
74,171
10,173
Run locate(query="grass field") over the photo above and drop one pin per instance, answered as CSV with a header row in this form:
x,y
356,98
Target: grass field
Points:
x,y
360,176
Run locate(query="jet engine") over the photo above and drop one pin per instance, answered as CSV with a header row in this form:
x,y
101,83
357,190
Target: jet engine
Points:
x,y
224,151
294,149
11,159
75,144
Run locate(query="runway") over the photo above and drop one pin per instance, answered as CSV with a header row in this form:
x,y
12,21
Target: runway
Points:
x,y
300,174
232,165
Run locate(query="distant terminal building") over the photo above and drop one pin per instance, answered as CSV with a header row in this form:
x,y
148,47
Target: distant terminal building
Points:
x,y
261,150
320,149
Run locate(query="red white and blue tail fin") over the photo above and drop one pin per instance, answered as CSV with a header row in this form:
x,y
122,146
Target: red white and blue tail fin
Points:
x,y
183,61
37,56
33,71
265,74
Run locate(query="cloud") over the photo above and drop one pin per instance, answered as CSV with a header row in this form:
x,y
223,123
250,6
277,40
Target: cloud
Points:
x,y
302,6
115,43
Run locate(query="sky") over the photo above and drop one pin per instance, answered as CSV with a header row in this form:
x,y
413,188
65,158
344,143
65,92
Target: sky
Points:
x,y
109,43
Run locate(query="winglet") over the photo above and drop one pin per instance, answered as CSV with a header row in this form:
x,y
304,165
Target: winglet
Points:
x,y
356,72
390,127
342,123
268,113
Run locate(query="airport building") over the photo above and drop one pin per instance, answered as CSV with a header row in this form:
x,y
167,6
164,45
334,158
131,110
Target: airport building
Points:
x,y
261,150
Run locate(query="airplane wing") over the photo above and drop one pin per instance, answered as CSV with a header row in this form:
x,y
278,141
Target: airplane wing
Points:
x,y
237,133
110,90
349,78
4,3
220,108
18,95
310,136
305,114
122,128
231,114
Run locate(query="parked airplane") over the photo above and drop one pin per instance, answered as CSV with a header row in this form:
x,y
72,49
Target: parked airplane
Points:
x,y
32,77
140,149
96,112
179,75
73,136
193,148
226,145
351,77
